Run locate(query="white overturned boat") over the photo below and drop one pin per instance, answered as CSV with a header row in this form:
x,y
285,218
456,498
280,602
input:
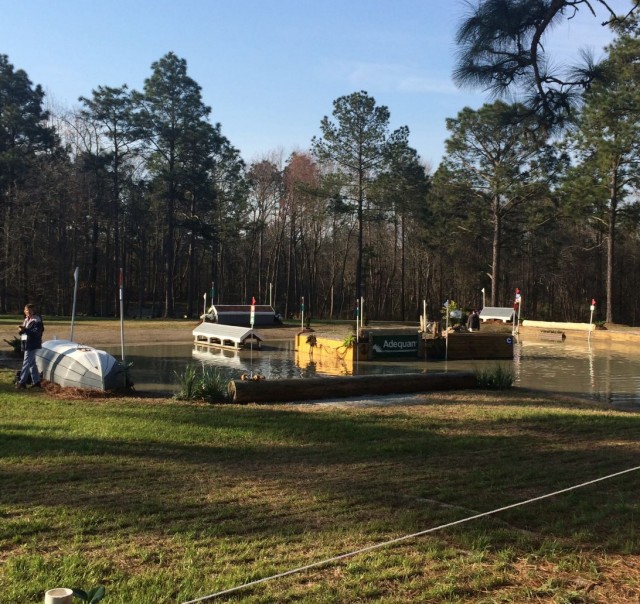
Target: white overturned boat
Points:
x,y
74,365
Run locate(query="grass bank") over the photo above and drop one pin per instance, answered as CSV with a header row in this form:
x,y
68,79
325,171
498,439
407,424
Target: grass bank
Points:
x,y
162,501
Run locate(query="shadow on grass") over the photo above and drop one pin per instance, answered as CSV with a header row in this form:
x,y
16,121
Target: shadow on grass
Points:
x,y
274,471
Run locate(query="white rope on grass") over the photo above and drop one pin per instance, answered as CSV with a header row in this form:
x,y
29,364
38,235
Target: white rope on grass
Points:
x,y
406,537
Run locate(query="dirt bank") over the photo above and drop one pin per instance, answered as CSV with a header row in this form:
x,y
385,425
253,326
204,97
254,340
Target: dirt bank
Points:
x,y
104,333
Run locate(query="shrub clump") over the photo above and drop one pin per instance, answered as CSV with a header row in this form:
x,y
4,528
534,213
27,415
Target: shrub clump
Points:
x,y
496,378
202,383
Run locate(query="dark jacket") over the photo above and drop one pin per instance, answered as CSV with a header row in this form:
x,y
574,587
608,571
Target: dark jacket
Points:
x,y
33,328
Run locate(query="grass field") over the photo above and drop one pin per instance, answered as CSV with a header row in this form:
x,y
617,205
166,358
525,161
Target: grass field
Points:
x,y
162,501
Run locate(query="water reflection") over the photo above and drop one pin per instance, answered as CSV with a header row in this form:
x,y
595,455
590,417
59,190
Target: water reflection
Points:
x,y
606,373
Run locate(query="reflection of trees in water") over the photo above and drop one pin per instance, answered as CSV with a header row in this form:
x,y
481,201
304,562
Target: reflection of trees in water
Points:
x,y
311,370
602,372
323,368
605,393
517,357
592,371
276,368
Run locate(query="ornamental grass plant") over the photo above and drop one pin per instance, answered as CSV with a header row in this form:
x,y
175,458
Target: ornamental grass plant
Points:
x,y
161,500
203,383
498,377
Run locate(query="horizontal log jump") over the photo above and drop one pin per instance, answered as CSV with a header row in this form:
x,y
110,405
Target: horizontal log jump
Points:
x,y
274,391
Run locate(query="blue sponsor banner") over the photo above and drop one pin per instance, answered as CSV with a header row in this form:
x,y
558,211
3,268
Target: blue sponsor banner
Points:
x,y
395,345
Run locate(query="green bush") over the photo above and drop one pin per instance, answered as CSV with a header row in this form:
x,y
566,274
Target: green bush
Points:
x,y
15,344
349,341
497,378
213,385
202,383
187,383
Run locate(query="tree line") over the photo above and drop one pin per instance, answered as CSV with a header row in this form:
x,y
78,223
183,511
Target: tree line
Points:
x,y
538,194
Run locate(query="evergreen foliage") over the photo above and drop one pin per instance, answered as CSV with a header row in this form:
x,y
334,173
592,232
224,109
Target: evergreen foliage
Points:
x,y
147,182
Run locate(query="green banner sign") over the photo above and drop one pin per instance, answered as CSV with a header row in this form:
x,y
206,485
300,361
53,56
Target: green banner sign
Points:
x,y
395,346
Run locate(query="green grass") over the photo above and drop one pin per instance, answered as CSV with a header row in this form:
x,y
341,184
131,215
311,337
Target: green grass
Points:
x,y
166,501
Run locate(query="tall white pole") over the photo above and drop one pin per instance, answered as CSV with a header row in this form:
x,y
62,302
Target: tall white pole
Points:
x,y
483,298
331,305
424,323
358,323
252,320
121,317
361,323
204,312
446,333
73,307
302,313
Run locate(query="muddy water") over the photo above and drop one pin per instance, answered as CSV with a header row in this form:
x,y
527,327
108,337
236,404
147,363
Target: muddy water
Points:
x,y
608,373
603,372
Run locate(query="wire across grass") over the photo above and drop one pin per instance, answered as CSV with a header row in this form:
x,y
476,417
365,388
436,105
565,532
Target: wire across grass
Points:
x,y
167,501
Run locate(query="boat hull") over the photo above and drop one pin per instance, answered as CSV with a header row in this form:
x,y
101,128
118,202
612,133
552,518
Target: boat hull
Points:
x,y
74,365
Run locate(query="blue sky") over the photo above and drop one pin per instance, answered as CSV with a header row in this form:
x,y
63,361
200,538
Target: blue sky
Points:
x,y
269,70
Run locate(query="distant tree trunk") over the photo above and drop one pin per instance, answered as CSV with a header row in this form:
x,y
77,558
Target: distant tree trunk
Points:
x,y
402,269
613,209
360,236
291,259
169,309
4,263
191,268
93,269
495,257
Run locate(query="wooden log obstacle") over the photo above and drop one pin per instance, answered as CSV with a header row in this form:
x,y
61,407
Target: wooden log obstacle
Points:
x,y
269,391
552,334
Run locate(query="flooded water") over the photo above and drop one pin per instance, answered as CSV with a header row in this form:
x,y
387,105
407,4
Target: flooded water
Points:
x,y
603,372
